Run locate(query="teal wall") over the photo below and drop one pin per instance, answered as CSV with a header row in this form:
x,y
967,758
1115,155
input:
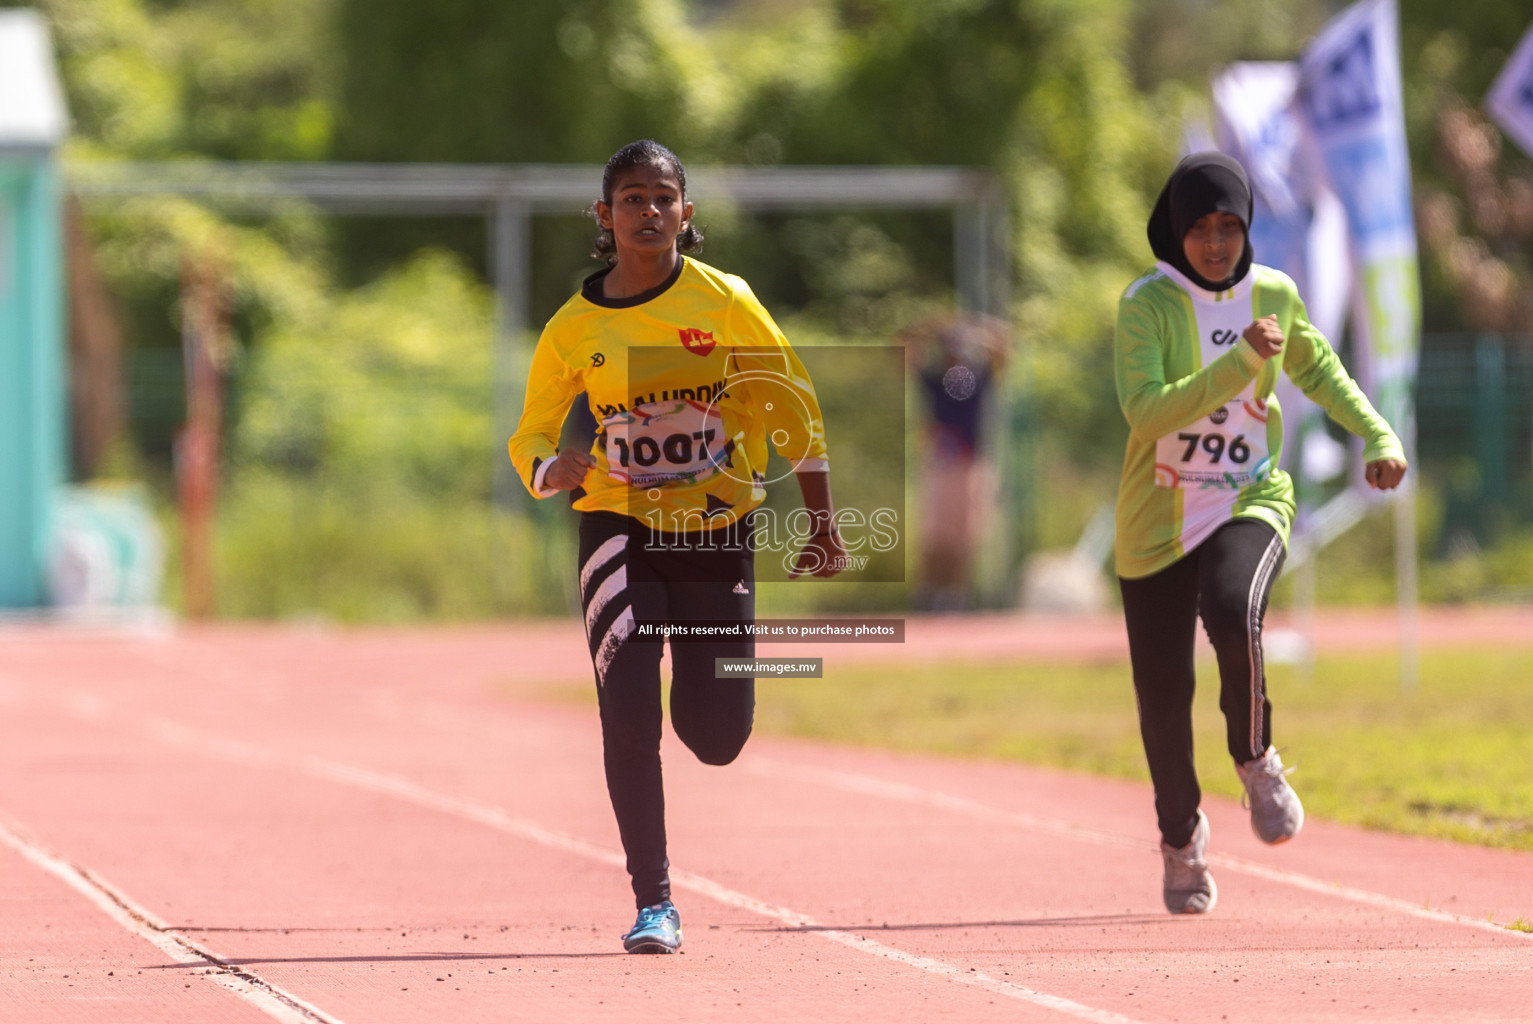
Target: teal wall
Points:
x,y
32,387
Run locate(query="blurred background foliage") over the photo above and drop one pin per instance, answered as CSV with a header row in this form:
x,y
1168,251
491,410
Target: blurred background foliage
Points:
x,y
360,434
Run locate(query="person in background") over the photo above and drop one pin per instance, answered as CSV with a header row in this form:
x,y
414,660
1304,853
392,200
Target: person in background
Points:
x,y
956,358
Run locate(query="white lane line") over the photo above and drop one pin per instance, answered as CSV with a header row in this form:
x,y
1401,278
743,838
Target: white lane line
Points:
x,y
941,968
1363,896
251,755
869,785
901,792
263,995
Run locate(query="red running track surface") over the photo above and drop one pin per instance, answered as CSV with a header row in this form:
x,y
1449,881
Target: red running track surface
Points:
x,y
264,823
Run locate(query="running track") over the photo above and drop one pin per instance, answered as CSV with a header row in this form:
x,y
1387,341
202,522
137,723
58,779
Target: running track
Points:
x,y
258,824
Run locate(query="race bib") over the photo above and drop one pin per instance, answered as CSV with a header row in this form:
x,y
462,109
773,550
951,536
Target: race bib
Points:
x,y
657,443
1225,450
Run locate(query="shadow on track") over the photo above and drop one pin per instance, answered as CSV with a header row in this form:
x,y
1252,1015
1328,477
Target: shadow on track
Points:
x,y
1037,922
246,961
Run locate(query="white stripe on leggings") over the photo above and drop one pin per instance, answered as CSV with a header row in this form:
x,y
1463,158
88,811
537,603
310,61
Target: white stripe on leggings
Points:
x,y
610,587
1264,570
600,557
616,633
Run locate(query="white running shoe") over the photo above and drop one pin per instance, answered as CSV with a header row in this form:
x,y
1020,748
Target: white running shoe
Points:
x,y
1276,813
1189,887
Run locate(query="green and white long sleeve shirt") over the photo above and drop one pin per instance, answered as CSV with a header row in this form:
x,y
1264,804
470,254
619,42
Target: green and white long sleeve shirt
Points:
x,y
1205,429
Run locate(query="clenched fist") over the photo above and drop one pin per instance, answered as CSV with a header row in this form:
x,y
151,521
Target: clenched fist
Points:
x,y
569,469
1384,474
1265,336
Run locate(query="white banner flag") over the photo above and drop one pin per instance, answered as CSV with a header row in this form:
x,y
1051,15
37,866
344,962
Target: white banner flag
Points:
x,y
1296,227
1350,99
1510,100
1253,103
1257,126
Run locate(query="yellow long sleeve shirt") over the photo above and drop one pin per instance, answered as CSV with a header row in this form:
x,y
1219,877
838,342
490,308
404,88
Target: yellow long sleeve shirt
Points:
x,y
688,384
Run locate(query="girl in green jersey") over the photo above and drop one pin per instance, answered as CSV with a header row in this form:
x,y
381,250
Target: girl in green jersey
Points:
x,y
1203,508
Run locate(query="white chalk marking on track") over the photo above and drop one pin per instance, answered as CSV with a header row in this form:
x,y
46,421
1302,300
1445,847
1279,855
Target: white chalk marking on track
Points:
x,y
262,994
870,785
1363,896
729,897
239,752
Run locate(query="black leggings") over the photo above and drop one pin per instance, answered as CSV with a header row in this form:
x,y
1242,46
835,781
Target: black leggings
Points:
x,y
629,575
1226,580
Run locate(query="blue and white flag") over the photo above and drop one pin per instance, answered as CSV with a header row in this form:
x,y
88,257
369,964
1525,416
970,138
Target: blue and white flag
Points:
x,y
1296,227
1328,292
1350,99
1510,100
1253,106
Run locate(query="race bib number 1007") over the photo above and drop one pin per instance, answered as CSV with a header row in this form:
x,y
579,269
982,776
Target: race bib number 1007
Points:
x,y
1225,450
659,443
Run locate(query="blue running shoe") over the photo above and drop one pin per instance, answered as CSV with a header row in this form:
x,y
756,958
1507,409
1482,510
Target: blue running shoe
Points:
x,y
658,930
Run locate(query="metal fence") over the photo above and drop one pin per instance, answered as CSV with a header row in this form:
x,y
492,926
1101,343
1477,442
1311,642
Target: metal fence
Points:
x,y
1474,402
1474,436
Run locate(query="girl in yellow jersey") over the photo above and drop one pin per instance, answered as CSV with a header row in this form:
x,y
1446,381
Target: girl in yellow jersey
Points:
x,y
689,379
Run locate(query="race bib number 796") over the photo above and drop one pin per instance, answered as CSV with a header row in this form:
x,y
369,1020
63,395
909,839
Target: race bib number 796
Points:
x,y
1225,450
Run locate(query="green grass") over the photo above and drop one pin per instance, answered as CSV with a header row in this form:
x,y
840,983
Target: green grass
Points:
x,y
1448,760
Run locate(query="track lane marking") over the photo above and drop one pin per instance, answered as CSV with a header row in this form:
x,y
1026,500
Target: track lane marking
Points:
x,y
253,755
271,1000
870,785
443,716
855,782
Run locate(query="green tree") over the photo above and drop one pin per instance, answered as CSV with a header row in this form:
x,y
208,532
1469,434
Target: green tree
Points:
x,y
220,79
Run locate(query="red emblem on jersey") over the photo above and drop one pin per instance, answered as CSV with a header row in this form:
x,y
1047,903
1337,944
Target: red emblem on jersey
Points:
x,y
697,342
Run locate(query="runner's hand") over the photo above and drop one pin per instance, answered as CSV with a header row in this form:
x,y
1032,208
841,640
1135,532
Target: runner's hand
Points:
x,y
569,470
1265,336
824,555
1384,474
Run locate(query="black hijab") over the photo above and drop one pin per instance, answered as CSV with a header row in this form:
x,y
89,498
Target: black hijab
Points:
x,y
1203,183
